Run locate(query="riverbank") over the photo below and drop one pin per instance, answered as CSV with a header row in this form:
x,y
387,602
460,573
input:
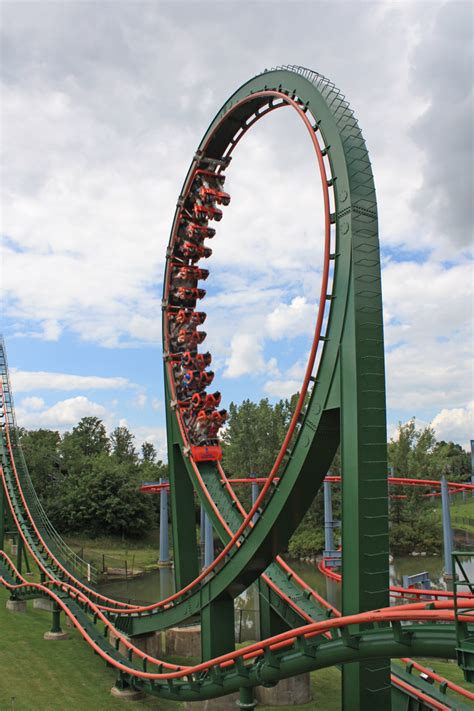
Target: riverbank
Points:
x,y
131,555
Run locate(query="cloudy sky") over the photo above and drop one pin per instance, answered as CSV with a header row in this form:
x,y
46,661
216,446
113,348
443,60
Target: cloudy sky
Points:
x,y
102,107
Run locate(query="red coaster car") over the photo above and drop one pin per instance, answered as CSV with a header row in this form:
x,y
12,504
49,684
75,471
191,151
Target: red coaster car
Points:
x,y
206,453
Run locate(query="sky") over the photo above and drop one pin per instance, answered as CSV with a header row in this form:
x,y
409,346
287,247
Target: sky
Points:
x,y
102,107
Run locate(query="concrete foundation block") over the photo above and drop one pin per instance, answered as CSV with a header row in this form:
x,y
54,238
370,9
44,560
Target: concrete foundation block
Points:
x,y
14,549
223,703
182,641
121,648
16,605
55,636
42,603
127,694
150,643
288,692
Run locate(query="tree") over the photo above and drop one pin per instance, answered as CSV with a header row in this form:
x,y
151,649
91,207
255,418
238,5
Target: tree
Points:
x,y
148,452
105,500
122,445
254,435
91,436
40,448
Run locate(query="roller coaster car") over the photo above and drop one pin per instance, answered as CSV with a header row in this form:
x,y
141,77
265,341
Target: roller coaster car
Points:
x,y
206,453
194,252
209,196
184,293
204,212
208,176
188,338
195,231
189,276
197,360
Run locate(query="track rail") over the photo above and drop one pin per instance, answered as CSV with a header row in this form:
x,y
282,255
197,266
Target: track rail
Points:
x,y
348,332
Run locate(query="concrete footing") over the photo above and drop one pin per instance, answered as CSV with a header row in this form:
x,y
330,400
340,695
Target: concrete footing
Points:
x,y
55,636
223,703
14,549
183,641
42,603
122,648
288,692
16,605
174,642
126,694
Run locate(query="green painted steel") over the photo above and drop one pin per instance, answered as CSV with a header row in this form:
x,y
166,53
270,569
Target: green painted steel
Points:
x,y
346,406
348,403
303,655
463,583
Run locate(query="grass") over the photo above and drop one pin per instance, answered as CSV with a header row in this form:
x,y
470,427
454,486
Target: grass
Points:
x,y
142,553
446,668
460,508
54,676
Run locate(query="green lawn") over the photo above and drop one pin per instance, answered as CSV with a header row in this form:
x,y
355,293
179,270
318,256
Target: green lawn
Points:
x,y
55,676
142,553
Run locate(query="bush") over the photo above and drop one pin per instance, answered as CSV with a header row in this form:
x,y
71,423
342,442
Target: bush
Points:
x,y
305,543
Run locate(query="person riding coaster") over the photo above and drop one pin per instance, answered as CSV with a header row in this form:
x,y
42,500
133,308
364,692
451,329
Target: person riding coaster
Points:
x,y
194,231
191,251
205,401
188,276
191,381
210,196
206,426
185,317
190,338
204,212
196,361
184,296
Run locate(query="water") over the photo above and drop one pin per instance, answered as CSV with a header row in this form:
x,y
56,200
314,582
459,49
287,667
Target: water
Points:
x,y
159,584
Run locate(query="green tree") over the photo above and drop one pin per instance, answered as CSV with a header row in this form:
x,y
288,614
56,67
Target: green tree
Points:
x,y
40,448
91,436
122,445
104,500
148,452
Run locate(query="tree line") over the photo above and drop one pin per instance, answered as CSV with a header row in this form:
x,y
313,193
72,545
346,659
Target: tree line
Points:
x,y
89,481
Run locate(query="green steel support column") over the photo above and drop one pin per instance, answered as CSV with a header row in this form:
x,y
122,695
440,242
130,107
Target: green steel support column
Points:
x,y
27,562
19,552
185,551
271,623
56,621
217,627
3,519
365,565
247,698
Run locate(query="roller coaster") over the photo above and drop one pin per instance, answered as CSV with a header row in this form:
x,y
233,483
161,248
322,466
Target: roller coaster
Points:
x,y
341,403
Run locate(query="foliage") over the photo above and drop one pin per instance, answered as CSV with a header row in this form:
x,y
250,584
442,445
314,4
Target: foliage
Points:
x,y
306,541
122,445
40,448
254,435
90,484
416,453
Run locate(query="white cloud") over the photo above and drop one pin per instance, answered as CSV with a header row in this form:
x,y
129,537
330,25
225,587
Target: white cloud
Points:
x,y
155,435
60,415
291,320
282,388
32,403
455,424
246,356
156,404
51,330
25,381
140,400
